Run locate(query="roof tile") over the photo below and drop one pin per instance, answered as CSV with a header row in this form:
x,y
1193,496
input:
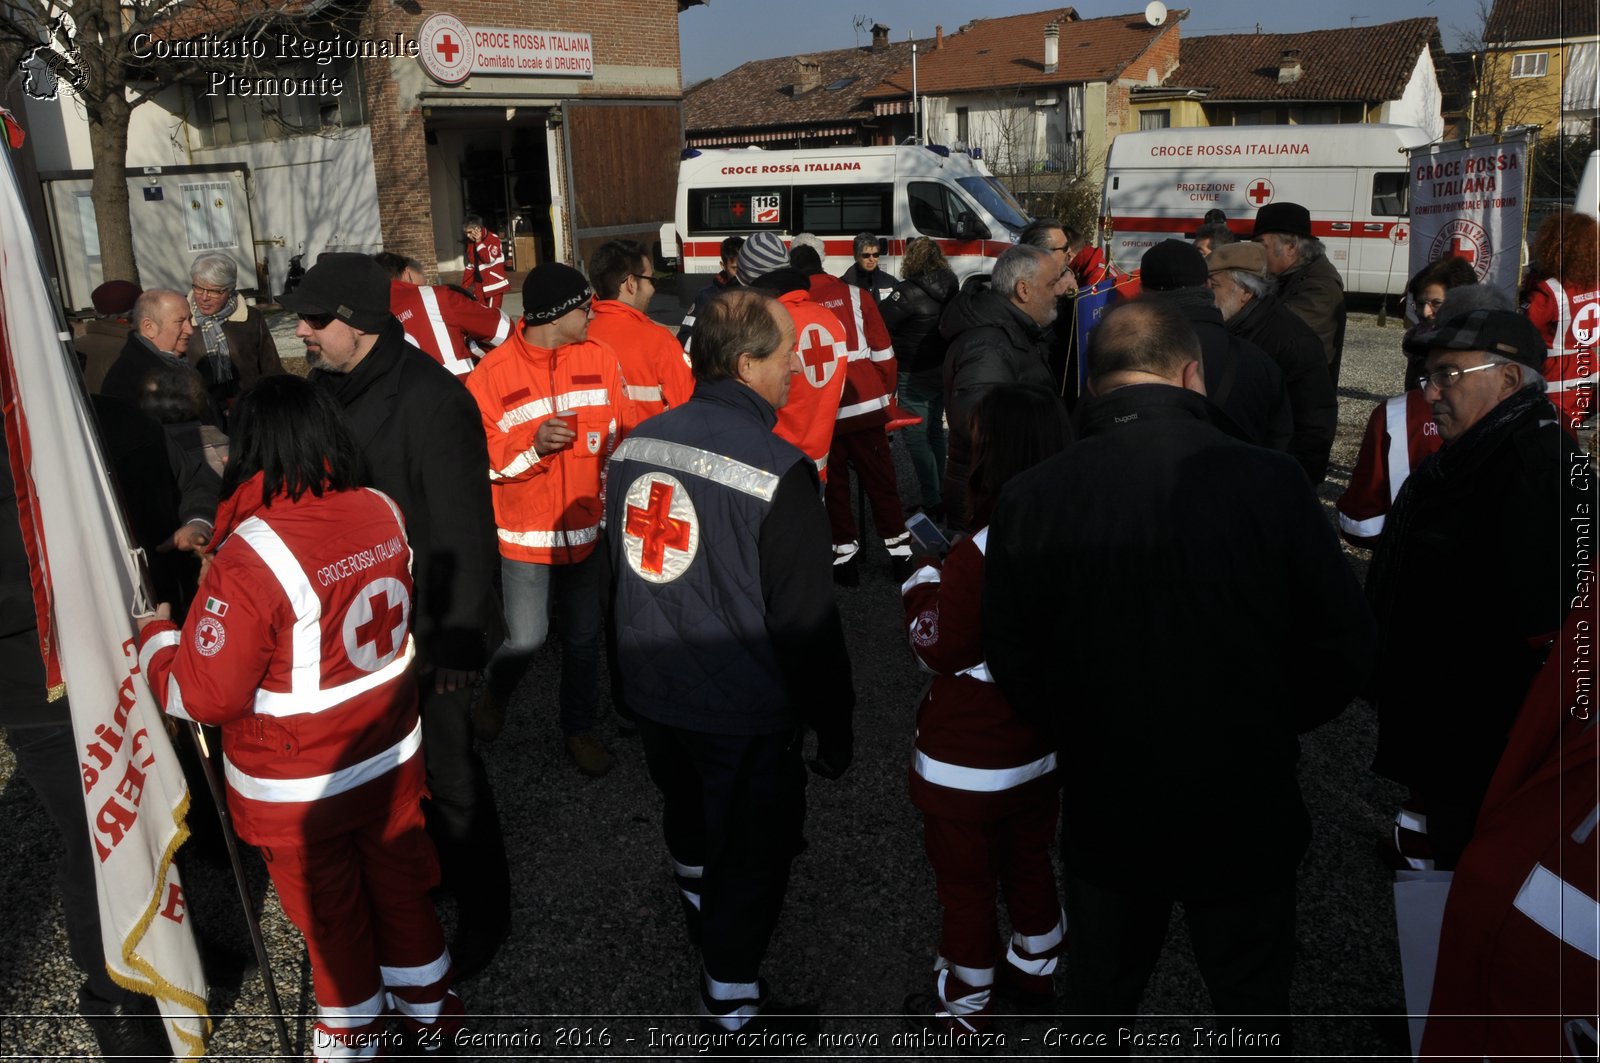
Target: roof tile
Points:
x,y
764,92
1538,20
1368,63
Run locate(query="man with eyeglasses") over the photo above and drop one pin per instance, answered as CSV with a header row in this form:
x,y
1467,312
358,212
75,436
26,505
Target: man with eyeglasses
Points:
x,y
550,401
864,272
1488,545
655,369
422,439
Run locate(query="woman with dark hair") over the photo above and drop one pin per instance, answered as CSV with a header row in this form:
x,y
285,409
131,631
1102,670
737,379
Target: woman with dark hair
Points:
x,y
912,313
1565,307
298,647
1426,291
984,778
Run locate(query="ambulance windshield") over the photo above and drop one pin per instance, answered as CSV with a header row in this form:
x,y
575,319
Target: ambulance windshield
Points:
x,y
996,200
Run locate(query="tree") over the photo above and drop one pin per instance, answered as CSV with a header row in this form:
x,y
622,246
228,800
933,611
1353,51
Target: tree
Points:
x,y
100,52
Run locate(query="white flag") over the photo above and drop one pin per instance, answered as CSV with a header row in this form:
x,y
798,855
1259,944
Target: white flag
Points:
x,y
1468,199
85,584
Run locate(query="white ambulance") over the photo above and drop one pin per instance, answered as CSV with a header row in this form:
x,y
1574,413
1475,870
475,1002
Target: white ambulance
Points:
x,y
898,192
1352,178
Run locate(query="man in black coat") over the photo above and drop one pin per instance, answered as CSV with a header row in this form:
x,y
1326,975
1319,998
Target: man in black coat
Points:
x,y
159,337
1173,606
1489,543
1245,295
422,438
1308,284
998,334
1243,385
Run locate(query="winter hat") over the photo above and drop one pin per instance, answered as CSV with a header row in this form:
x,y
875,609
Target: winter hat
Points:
x,y
811,240
1172,264
552,289
1245,257
760,255
1289,218
115,298
345,285
1502,332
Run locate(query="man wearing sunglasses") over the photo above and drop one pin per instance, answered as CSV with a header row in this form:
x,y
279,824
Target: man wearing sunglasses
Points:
x,y
1485,550
420,434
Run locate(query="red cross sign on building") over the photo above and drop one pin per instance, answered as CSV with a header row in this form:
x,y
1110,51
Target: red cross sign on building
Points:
x,y
444,48
376,624
661,533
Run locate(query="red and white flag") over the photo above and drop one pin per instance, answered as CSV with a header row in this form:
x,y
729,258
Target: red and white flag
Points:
x,y
86,583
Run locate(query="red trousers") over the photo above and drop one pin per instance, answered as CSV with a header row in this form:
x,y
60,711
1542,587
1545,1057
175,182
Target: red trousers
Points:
x,y
361,900
868,452
972,863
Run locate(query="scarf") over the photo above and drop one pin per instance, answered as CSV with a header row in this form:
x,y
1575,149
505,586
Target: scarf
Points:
x,y
1448,466
218,362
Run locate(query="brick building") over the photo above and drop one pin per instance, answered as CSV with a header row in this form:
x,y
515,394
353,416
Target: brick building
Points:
x,y
559,121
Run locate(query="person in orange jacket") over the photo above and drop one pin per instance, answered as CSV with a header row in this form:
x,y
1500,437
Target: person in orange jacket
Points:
x,y
551,401
655,366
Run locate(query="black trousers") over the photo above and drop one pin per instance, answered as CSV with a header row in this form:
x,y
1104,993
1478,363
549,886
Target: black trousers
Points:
x,y
1244,946
47,757
462,819
734,809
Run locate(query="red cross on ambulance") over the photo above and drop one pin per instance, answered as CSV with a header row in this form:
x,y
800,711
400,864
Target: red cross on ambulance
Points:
x,y
661,530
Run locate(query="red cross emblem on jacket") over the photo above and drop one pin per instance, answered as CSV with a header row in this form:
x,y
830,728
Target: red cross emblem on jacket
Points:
x,y
661,533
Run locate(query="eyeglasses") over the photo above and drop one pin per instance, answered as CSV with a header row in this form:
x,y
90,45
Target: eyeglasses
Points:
x,y
1053,250
868,254
1432,304
317,321
1446,377
643,277
587,306
201,290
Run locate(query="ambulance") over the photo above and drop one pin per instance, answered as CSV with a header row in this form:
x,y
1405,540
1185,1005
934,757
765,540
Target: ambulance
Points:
x,y
1354,180
899,192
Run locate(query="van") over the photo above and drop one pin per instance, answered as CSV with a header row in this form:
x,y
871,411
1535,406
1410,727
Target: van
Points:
x,y
1354,179
1588,201
897,192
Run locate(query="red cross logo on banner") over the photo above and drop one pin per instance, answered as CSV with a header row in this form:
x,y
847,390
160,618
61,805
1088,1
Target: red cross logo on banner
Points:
x,y
658,529
661,532
376,623
1466,240
819,355
1260,192
1460,249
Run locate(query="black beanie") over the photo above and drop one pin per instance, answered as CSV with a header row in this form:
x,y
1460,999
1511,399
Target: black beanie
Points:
x,y
345,285
1172,264
550,290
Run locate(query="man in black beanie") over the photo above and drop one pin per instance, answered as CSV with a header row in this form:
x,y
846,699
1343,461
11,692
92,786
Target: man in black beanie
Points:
x,y
1243,385
419,432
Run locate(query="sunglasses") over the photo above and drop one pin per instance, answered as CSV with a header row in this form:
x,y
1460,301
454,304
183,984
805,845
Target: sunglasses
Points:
x,y
317,321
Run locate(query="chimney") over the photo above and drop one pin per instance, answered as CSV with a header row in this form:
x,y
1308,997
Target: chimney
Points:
x,y
1052,47
938,38
1289,69
880,37
809,75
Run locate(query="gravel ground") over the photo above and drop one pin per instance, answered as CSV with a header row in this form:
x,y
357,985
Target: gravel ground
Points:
x,y
598,963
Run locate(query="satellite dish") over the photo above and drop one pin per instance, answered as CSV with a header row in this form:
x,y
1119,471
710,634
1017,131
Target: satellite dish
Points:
x,y
1155,12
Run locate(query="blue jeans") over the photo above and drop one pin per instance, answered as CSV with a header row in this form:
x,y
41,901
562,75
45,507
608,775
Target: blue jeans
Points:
x,y
528,588
925,441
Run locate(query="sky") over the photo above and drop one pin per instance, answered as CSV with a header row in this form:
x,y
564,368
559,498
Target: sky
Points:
x,y
719,35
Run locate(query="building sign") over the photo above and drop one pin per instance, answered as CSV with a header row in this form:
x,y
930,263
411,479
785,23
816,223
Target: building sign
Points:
x,y
451,51
1470,202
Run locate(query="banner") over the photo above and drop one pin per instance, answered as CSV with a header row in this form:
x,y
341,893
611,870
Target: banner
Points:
x,y
86,582
1469,199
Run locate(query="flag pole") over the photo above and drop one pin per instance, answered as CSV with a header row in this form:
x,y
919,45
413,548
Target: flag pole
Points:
x,y
219,798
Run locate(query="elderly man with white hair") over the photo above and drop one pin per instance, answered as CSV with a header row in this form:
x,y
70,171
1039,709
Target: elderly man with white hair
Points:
x,y
232,346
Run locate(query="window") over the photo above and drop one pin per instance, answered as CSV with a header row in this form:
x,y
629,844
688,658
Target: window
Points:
x,y
996,199
738,210
842,83
840,209
1389,194
963,126
224,119
935,209
1155,119
1530,64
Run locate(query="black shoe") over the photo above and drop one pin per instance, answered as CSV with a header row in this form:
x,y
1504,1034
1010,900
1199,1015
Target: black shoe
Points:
x,y
847,573
939,1035
131,1031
